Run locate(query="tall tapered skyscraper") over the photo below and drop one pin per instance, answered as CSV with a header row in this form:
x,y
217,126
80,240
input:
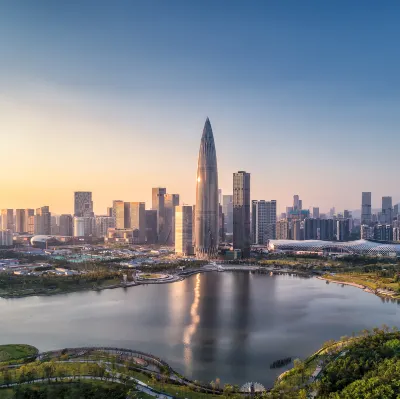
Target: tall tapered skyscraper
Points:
x,y
206,221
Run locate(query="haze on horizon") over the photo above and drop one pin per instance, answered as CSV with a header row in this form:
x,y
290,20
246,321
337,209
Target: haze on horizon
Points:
x,y
111,97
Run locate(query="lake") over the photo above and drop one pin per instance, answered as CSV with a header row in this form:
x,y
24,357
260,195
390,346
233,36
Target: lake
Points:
x,y
230,325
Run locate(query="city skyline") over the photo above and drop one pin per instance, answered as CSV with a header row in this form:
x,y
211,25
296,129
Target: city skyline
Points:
x,y
92,109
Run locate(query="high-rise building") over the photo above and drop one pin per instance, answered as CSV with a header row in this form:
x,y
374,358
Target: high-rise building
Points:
x,y
79,226
296,230
263,221
103,223
7,219
346,214
158,204
54,226
170,202
183,230
43,221
151,226
28,213
315,213
6,238
135,218
83,204
296,202
367,232
66,225
282,230
20,222
221,224
396,211
206,223
383,232
366,210
387,210
31,224
343,229
227,210
119,214
110,211
241,212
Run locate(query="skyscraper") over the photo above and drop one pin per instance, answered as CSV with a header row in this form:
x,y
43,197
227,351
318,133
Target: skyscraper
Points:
x,y
227,209
387,210
151,226
158,204
315,213
206,221
241,212
119,214
83,204
366,214
183,230
170,202
7,219
263,220
135,218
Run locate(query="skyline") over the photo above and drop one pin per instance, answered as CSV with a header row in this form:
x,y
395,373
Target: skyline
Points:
x,y
108,102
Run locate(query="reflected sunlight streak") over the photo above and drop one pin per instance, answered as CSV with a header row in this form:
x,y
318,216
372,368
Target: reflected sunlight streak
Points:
x,y
192,327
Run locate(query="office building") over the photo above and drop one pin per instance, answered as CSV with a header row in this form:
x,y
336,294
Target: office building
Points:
x,y
366,210
43,221
315,213
170,202
103,223
221,224
151,226
241,212
227,210
83,204
206,223
296,203
119,214
66,225
7,219
110,211
263,221
158,204
183,230
135,219
387,210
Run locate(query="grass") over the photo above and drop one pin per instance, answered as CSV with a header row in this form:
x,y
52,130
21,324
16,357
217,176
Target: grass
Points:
x,y
369,280
15,352
150,275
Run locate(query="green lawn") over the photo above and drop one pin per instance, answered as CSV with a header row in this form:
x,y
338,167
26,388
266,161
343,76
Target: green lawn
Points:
x,y
15,352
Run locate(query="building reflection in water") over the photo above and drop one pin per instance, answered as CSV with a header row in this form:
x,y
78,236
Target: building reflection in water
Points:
x,y
190,330
237,356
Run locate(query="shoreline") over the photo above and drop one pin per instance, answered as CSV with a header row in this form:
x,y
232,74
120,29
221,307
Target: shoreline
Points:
x,y
178,277
382,293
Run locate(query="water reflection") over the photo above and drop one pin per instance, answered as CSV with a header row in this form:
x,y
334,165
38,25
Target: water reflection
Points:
x,y
190,330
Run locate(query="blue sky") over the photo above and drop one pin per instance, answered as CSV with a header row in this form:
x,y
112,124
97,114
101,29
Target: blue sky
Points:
x,y
111,96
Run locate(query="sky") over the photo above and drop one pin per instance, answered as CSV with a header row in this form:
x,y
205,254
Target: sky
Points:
x,y
111,97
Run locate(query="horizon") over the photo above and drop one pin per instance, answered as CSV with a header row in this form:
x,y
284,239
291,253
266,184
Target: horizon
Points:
x,y
112,99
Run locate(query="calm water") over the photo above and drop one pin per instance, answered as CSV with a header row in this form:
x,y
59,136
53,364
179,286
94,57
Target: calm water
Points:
x,y
227,325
